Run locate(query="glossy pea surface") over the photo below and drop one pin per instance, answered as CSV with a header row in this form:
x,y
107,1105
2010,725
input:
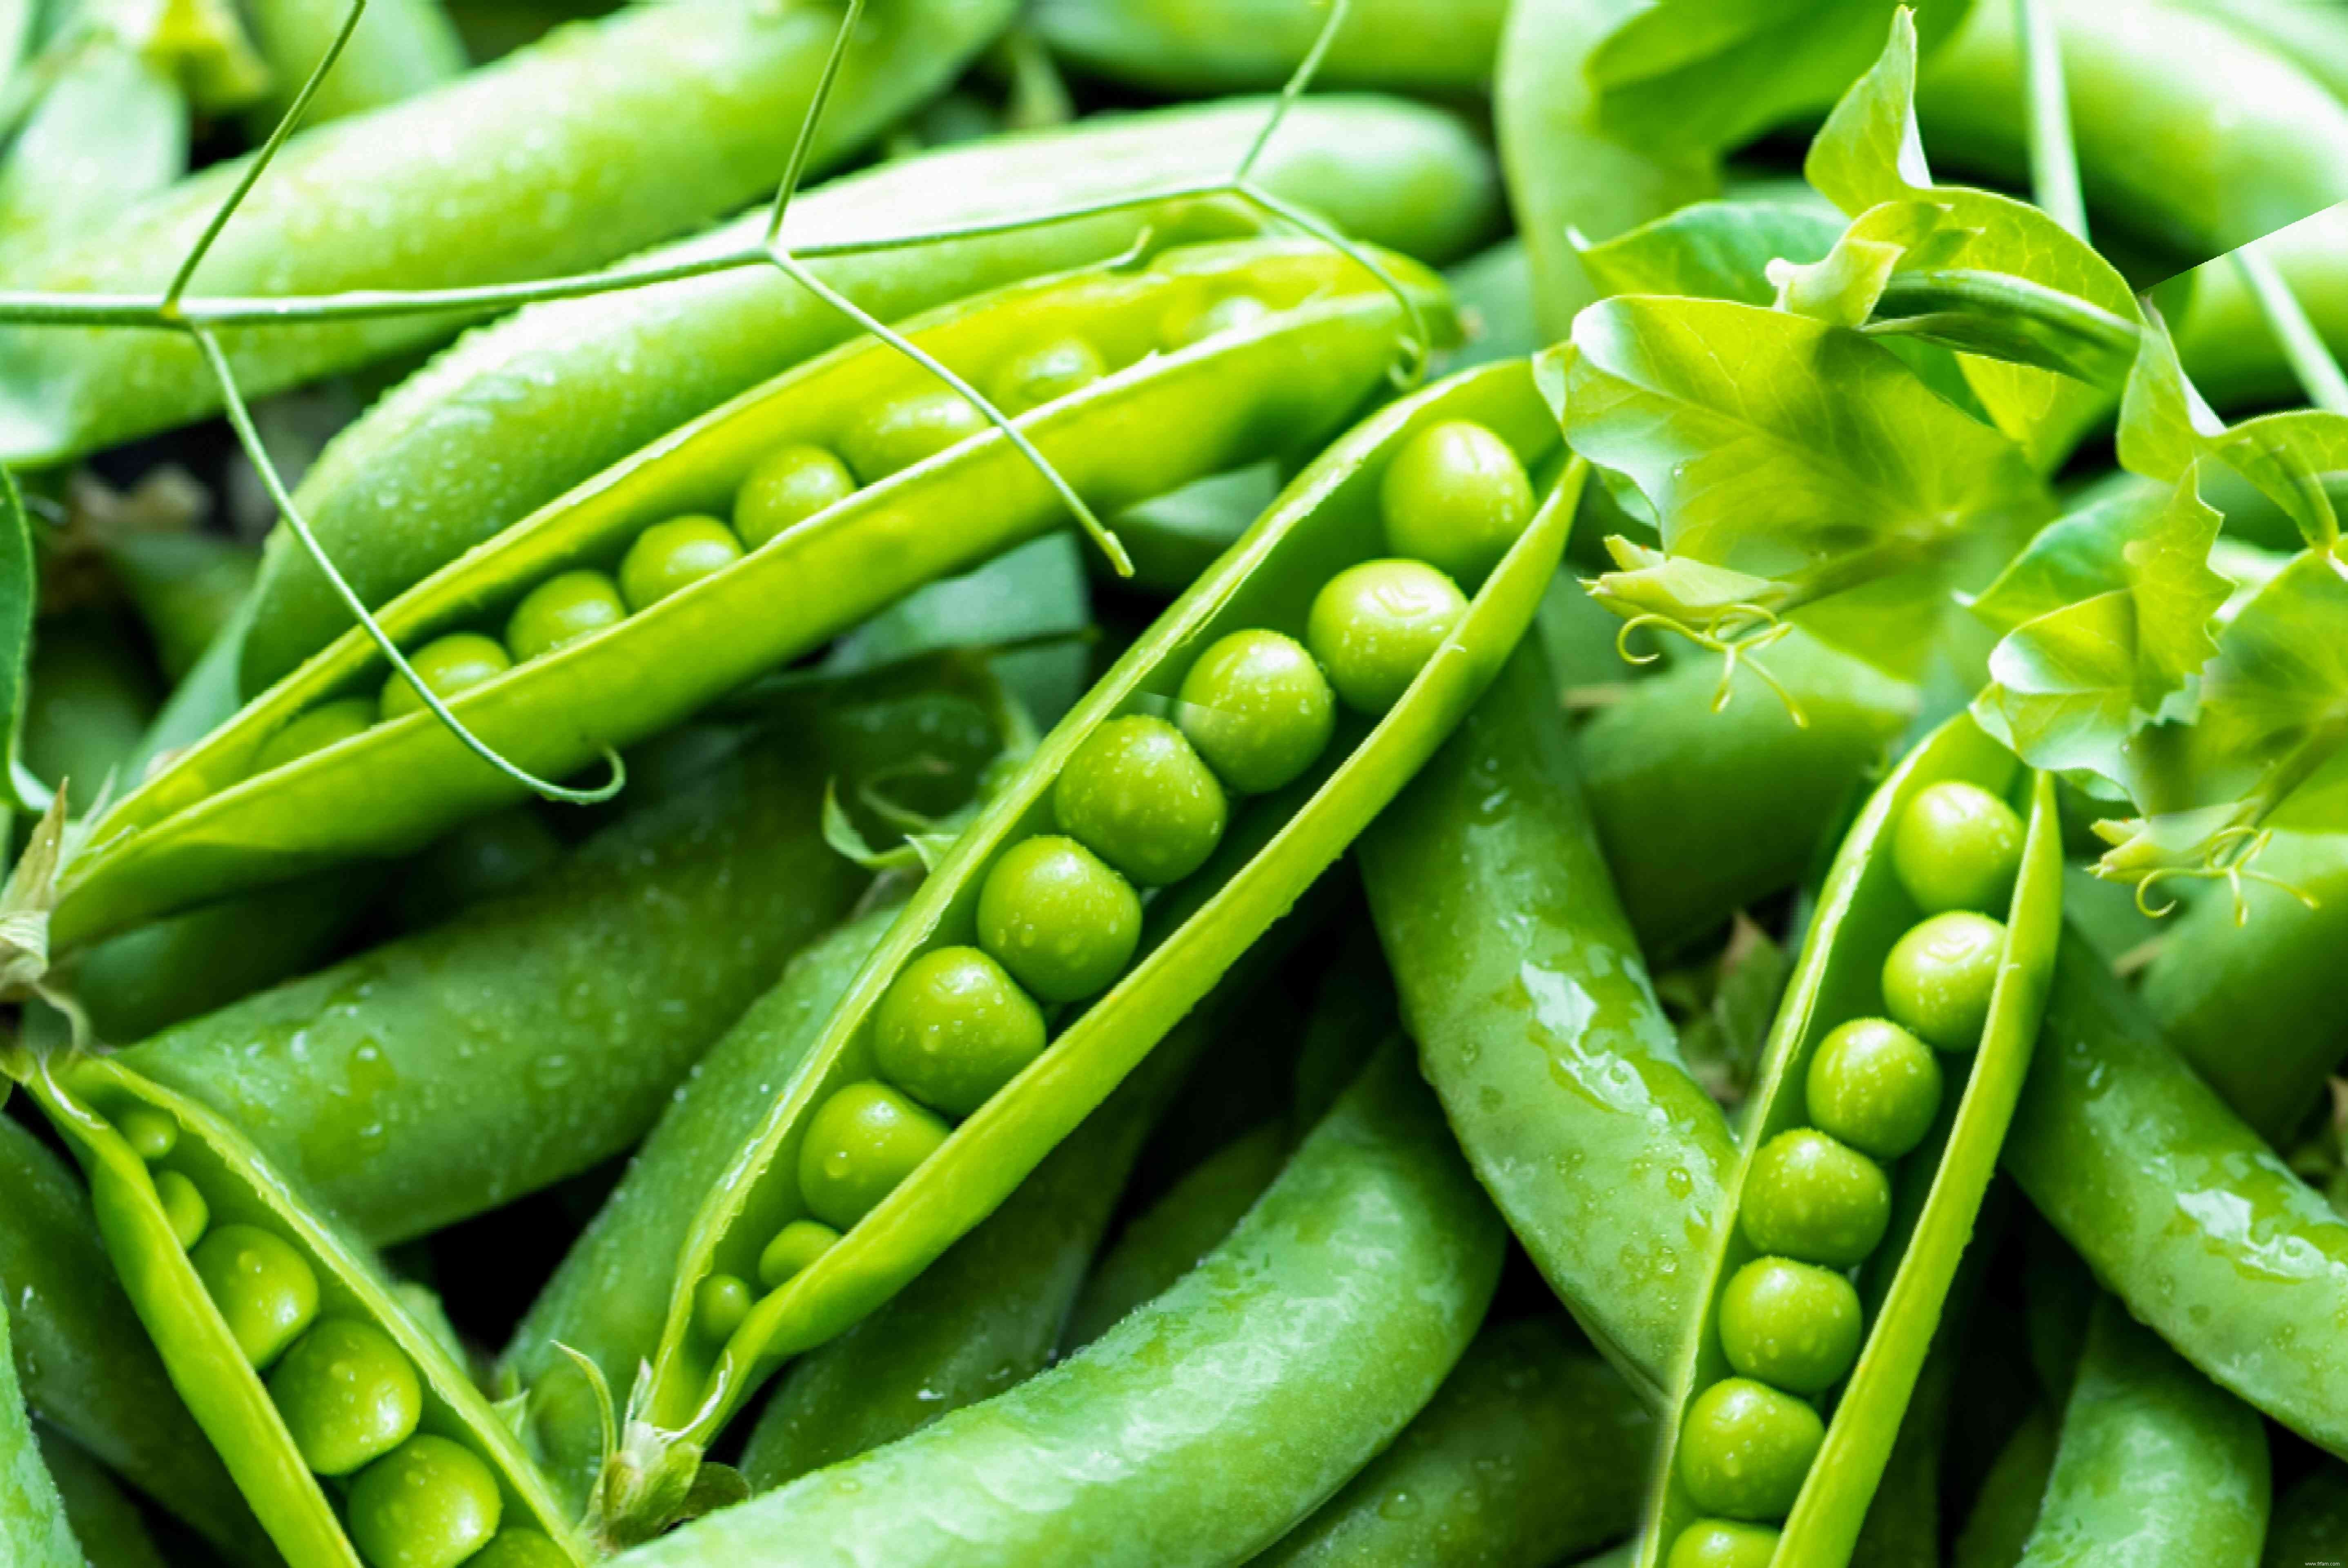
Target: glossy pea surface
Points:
x,y
1043,374
1058,918
1724,1543
446,665
911,430
675,555
1232,312
1815,1199
150,1133
1137,793
860,1144
795,1246
428,1503
560,611
1875,1086
1940,977
788,485
322,726
265,1291
348,1394
1375,626
1745,1449
1791,1324
1957,846
184,1209
720,1303
1258,710
1456,497
953,1028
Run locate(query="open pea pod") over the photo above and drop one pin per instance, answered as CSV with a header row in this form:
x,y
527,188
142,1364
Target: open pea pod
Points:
x,y
1831,1274
234,1277
852,1167
1205,359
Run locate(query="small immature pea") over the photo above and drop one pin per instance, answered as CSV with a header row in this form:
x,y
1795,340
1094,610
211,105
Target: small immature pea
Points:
x,y
675,555
446,665
720,1304
793,1248
787,487
149,1132
1375,626
326,724
184,1209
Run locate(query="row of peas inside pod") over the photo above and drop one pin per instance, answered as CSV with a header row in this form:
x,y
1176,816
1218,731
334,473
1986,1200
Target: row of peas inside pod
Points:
x,y
787,487
1818,1199
1141,803
276,1328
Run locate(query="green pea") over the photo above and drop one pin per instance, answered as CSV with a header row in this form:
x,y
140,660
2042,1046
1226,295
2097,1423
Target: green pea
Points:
x,y
911,430
184,1209
349,1395
953,1028
1746,1450
263,1288
1724,1543
795,1246
149,1132
673,555
1456,497
1957,846
788,485
327,724
1812,1198
1136,793
1375,626
1875,1086
456,662
720,1303
1047,375
1939,976
560,611
1232,312
1259,709
1790,1324
428,1503
1063,923
519,1548
860,1144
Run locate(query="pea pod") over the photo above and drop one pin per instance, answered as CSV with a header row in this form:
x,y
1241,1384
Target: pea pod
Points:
x,y
104,1520
210,824
398,50
520,411
2309,1520
2155,1464
34,1533
86,1366
230,1273
1024,911
2181,1209
1203,1426
1561,1076
1226,46
1839,1090
372,201
1529,1453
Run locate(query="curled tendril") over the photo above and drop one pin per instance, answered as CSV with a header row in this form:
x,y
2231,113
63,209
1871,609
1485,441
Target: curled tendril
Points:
x,y
2227,857
1736,634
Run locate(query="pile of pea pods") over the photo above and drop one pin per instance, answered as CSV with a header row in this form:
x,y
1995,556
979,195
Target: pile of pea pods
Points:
x,y
1170,784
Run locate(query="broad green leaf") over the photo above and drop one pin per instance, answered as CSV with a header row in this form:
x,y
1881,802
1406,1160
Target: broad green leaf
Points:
x,y
18,592
1712,250
1708,74
2164,425
2294,459
2275,703
2065,690
1870,150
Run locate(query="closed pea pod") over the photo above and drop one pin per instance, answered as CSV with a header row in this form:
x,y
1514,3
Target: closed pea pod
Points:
x,y
207,824
438,1470
1273,851
1744,1454
1350,1289
1225,45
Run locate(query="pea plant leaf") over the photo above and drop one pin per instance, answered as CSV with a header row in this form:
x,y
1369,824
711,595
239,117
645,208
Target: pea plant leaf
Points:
x,y
1712,250
2269,746
2107,616
1843,287
1976,293
1795,469
1699,75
